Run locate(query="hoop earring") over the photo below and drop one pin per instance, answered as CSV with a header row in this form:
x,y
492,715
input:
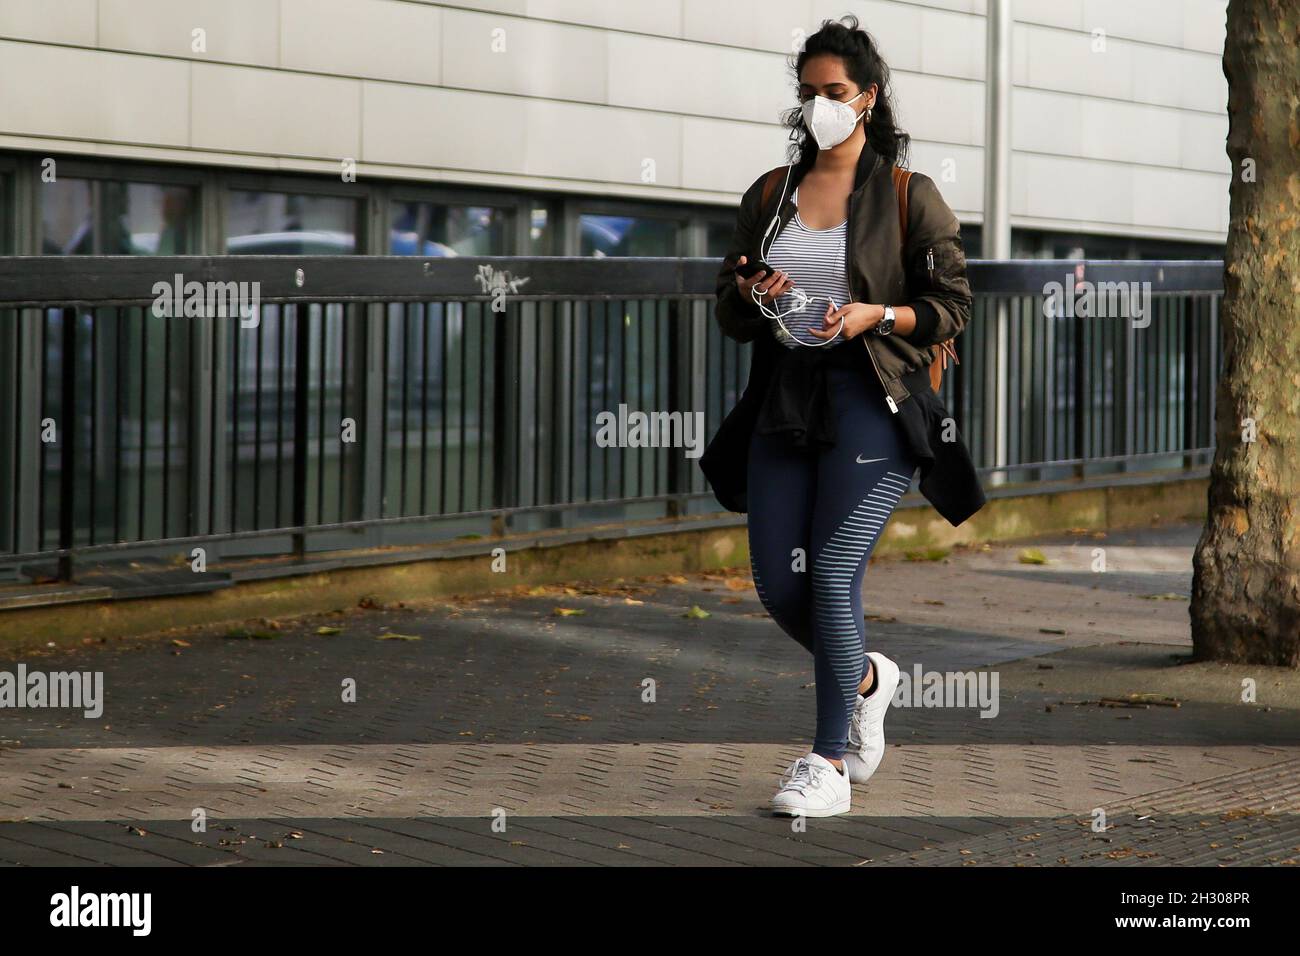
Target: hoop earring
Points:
x,y
866,115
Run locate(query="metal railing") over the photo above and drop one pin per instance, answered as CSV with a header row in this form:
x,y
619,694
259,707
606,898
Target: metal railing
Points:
x,y
370,401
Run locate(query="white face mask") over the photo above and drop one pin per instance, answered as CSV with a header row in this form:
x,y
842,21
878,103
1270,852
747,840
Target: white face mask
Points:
x,y
829,121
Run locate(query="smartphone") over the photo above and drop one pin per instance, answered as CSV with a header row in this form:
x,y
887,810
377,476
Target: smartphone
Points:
x,y
752,268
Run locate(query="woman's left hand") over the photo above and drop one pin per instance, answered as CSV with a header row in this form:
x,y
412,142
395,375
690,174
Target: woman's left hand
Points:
x,y
858,317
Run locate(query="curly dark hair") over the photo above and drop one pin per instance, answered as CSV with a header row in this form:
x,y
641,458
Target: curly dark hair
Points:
x,y
864,65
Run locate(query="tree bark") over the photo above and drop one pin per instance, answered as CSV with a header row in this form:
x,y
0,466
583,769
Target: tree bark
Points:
x,y
1246,582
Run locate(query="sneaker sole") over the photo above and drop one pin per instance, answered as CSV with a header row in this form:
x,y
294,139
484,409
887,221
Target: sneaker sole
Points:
x,y
835,810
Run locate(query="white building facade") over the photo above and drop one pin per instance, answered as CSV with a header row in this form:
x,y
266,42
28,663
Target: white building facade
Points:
x,y
574,126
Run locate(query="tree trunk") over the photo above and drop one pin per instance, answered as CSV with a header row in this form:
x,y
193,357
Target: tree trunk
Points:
x,y
1246,586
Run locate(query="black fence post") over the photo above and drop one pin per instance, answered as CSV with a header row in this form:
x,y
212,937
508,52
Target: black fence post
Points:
x,y
677,404
301,386
67,442
503,442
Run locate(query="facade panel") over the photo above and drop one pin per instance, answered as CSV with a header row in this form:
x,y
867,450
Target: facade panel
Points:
x,y
226,31
375,39
675,102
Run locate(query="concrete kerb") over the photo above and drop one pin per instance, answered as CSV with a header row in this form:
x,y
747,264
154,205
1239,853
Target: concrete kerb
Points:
x,y
1011,514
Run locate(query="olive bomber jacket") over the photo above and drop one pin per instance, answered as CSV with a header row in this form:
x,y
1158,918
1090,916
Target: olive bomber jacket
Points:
x,y
935,265
930,276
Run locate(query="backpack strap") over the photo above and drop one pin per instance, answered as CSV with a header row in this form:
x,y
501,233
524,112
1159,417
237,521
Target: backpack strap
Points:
x,y
769,184
901,179
943,350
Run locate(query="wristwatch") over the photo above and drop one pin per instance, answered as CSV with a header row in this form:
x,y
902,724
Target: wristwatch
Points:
x,y
886,324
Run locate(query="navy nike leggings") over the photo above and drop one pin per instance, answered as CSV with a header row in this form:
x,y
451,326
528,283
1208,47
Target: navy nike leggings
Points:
x,y
814,519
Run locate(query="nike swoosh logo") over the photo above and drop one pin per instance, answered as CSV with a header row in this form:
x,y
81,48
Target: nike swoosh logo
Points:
x,y
867,461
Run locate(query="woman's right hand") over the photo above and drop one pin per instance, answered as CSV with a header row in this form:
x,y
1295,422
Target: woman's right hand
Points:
x,y
770,285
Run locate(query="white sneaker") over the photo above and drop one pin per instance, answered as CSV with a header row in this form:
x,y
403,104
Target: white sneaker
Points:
x,y
867,724
812,787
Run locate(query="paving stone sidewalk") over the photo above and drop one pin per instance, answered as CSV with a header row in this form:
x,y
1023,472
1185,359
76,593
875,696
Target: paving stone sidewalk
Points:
x,y
532,709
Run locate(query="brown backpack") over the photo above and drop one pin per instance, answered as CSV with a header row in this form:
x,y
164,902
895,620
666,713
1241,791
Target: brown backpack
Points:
x,y
943,350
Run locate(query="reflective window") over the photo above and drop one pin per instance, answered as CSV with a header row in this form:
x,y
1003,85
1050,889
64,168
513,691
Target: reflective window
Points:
x,y
428,229
290,224
717,236
66,218
541,236
1031,244
6,218
99,217
627,236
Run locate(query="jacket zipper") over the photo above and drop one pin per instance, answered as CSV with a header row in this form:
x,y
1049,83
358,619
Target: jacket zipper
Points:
x,y
848,278
946,349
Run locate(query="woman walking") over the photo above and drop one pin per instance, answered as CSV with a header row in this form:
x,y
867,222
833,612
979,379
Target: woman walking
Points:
x,y
845,272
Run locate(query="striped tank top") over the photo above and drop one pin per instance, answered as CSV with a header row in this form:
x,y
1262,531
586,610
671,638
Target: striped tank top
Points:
x,y
814,259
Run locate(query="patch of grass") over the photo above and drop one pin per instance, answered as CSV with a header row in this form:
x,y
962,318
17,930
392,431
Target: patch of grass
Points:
x,y
927,554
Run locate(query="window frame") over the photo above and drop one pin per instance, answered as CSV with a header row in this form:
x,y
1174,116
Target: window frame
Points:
x,y
575,207
98,171
227,181
516,206
9,210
